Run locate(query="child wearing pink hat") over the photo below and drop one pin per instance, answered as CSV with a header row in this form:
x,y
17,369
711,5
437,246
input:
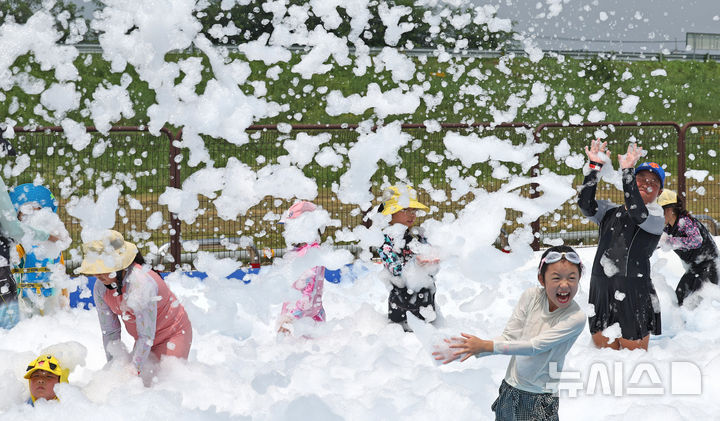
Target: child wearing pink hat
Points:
x,y
310,283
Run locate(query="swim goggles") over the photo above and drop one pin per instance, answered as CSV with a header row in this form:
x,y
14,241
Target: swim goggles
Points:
x,y
555,256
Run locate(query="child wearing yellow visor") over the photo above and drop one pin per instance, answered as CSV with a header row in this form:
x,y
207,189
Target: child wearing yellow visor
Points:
x,y
43,374
397,253
692,242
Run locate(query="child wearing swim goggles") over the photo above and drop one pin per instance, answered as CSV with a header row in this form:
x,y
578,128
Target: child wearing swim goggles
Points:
x,y
543,327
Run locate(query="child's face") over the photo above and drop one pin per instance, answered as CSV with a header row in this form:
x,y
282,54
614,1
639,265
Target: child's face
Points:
x,y
27,209
42,384
107,278
406,217
649,185
669,216
561,283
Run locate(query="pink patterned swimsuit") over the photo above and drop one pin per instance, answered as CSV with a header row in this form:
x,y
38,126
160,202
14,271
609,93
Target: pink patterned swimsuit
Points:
x,y
310,284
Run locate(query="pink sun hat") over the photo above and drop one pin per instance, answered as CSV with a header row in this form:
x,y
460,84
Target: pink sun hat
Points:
x,y
297,209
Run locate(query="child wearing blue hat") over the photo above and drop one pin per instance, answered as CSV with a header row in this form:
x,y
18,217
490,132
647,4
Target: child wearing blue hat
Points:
x,y
32,273
621,290
11,230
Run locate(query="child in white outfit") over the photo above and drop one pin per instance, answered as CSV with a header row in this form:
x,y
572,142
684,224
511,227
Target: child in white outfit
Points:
x,y
544,326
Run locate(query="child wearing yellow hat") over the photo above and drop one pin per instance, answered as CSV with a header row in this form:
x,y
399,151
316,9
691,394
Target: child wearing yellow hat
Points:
x,y
401,203
692,242
42,374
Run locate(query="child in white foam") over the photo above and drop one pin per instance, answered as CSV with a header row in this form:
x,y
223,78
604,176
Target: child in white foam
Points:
x,y
310,283
543,327
33,272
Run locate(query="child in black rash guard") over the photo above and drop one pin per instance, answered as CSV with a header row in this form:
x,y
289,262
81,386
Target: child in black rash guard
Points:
x,y
621,290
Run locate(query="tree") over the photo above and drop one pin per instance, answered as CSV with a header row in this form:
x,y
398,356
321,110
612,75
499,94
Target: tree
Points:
x,y
66,14
250,20
431,25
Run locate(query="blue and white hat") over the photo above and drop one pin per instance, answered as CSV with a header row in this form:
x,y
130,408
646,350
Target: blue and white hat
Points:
x,y
29,192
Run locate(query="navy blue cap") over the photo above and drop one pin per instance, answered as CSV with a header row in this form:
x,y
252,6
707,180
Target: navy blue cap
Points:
x,y
655,168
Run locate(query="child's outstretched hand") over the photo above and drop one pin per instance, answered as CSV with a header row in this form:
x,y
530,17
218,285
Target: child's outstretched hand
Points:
x,y
596,151
444,353
425,261
464,347
634,152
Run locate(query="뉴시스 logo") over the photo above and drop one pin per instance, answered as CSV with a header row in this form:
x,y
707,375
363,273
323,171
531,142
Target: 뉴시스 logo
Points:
x,y
627,379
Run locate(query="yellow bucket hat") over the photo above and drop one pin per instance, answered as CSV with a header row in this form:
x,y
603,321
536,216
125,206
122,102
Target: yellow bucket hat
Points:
x,y
399,197
110,254
49,363
667,197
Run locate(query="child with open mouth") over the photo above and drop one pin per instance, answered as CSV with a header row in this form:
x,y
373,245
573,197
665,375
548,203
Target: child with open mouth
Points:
x,y
543,327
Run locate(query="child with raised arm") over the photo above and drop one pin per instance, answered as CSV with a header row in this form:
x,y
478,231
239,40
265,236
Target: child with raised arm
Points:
x,y
621,290
543,327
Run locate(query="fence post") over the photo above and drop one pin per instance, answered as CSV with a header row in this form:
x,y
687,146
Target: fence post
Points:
x,y
669,124
174,181
534,171
682,162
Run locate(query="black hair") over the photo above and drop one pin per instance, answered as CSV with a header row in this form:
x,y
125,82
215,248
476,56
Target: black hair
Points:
x,y
560,249
6,148
367,222
120,275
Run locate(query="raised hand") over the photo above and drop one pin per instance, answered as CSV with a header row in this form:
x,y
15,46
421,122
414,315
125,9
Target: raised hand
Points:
x,y
597,151
634,152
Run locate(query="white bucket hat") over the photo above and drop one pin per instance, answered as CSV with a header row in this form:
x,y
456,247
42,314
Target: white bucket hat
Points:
x,y
110,254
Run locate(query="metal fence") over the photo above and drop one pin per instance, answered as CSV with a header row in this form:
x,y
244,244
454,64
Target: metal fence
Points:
x,y
660,139
127,157
617,52
701,165
267,143
143,165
